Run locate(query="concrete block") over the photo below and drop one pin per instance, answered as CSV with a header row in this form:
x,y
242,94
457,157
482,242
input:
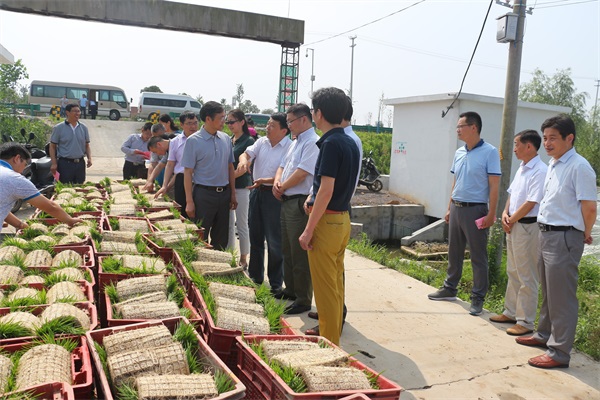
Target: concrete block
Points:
x,y
355,230
434,232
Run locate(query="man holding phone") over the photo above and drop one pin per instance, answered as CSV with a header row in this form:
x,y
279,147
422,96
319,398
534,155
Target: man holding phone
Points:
x,y
476,169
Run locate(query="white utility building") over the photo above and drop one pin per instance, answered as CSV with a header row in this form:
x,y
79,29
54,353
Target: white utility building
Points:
x,y
423,143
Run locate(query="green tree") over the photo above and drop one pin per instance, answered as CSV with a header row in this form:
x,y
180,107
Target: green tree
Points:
x,y
153,89
10,75
559,89
267,111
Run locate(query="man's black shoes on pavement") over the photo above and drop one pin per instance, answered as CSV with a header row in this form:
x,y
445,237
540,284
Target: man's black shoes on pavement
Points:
x,y
296,309
282,295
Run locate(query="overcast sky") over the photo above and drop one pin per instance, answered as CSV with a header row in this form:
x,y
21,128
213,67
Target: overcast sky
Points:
x,y
423,50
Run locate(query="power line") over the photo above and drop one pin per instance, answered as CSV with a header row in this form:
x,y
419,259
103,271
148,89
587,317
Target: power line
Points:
x,y
444,113
367,24
564,4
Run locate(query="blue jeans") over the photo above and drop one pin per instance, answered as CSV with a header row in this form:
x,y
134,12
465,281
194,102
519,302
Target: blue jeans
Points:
x,y
264,223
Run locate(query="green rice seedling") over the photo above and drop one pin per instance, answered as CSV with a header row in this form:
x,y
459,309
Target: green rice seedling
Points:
x,y
142,200
288,374
186,335
95,234
12,330
194,363
67,325
139,214
187,251
38,245
224,382
185,312
27,395
140,245
273,312
70,344
111,292
68,264
114,223
22,302
111,264
13,241
176,213
11,382
373,379
126,392
31,233
15,260
67,299
51,280
103,357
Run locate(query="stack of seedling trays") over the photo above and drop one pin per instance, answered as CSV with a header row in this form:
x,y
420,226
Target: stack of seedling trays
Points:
x,y
47,368
306,367
124,236
135,300
228,301
51,231
122,201
159,360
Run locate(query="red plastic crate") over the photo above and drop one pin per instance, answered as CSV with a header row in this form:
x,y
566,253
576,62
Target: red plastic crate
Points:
x,y
263,383
205,353
81,367
87,307
48,391
222,341
106,278
195,319
357,396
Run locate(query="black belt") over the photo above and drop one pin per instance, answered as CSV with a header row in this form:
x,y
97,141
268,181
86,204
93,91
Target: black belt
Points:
x,y
265,188
74,160
550,228
527,220
137,164
465,204
292,197
217,189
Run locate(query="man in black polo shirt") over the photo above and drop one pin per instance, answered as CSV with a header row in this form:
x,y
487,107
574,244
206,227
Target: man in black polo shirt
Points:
x,y
328,229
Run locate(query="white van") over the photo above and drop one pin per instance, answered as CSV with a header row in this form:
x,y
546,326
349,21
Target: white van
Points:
x,y
166,103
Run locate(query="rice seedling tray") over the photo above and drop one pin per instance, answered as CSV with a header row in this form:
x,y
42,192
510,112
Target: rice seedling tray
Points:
x,y
85,286
86,252
107,278
130,218
48,391
88,308
45,270
263,383
155,247
81,366
104,389
195,318
222,341
172,204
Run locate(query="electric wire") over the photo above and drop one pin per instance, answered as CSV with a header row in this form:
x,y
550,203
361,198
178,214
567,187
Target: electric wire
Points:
x,y
367,24
444,113
571,3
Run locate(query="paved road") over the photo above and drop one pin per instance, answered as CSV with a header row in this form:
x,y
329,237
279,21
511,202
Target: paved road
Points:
x,y
106,138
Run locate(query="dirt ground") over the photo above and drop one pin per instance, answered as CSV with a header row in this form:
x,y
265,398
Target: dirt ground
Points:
x,y
364,197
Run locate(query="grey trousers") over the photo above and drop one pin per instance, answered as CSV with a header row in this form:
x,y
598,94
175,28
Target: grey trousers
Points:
x,y
462,230
560,253
296,271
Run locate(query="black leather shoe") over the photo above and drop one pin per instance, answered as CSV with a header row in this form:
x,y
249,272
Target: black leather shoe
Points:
x,y
282,295
296,309
315,314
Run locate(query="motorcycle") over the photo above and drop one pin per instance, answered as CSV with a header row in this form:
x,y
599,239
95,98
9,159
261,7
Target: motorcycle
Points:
x,y
38,171
369,174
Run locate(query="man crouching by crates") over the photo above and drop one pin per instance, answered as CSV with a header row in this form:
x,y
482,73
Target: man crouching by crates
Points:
x,y
14,157
328,229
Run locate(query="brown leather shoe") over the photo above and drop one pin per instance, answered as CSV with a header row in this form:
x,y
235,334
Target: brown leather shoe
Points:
x,y
313,331
313,315
530,341
501,318
518,330
545,361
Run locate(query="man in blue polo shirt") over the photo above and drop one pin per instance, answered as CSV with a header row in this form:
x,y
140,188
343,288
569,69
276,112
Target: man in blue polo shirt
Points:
x,y
209,176
476,169
14,157
328,228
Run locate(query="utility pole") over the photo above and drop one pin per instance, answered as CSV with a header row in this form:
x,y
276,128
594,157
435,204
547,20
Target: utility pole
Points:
x,y
352,65
595,115
509,114
312,72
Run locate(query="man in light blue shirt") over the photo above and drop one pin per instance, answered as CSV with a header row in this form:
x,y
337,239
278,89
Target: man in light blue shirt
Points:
x,y
292,185
476,170
567,215
209,176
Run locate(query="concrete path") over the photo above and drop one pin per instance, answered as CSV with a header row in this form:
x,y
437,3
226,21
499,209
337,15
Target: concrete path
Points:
x,y
436,350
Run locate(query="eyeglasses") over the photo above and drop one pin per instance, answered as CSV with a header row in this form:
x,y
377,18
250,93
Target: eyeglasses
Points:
x,y
191,123
295,119
231,122
462,125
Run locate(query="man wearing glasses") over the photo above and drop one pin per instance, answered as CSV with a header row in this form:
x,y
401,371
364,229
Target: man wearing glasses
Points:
x,y
292,185
189,122
209,178
476,169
